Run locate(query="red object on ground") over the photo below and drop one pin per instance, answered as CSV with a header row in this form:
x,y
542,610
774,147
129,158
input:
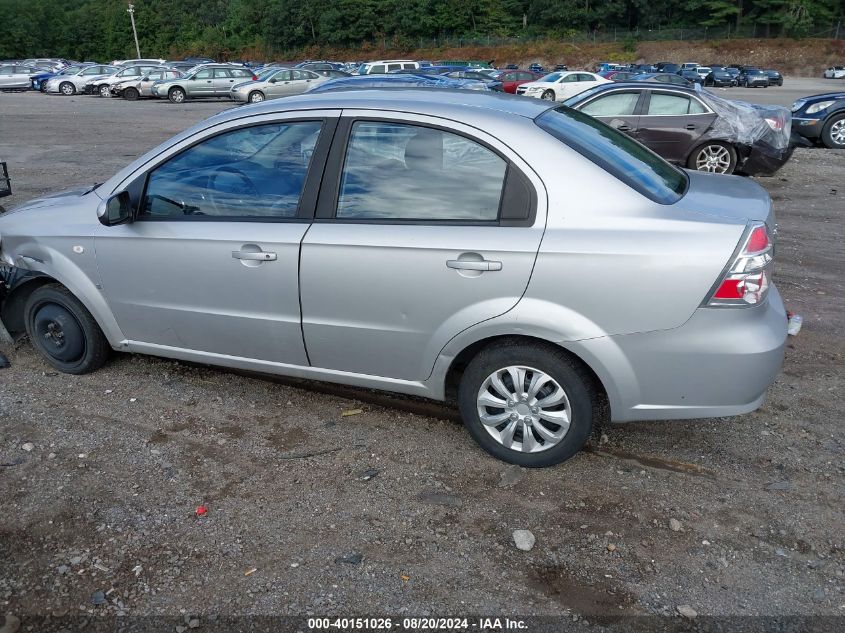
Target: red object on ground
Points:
x,y
201,510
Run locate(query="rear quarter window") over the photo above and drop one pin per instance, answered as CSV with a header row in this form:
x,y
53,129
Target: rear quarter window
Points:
x,y
616,153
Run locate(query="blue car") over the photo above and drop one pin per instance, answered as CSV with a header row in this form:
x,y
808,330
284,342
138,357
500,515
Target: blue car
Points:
x,y
821,118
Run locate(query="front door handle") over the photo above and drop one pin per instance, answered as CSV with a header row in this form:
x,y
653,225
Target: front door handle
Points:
x,y
623,128
467,264
260,256
690,126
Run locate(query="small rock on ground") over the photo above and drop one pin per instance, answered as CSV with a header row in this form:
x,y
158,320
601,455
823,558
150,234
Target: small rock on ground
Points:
x,y
524,540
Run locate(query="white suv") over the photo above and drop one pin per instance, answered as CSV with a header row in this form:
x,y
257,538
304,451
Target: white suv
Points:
x,y
386,66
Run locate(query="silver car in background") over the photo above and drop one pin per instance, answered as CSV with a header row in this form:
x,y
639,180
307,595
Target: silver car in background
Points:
x,y
17,76
520,258
141,87
102,85
208,80
283,82
74,82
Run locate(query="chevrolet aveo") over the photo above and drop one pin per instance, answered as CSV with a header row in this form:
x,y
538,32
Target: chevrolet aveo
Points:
x,y
519,257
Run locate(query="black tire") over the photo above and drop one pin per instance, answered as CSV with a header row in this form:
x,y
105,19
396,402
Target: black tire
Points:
x,y
256,96
103,90
837,121
693,158
557,364
548,95
176,95
66,88
130,94
63,332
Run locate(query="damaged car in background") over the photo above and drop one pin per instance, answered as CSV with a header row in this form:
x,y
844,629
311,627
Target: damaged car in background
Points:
x,y
521,298
141,87
693,127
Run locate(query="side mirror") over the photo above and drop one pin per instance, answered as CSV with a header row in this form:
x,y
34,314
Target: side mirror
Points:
x,y
116,210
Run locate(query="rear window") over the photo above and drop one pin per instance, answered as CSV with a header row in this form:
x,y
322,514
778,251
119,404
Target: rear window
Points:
x,y
626,159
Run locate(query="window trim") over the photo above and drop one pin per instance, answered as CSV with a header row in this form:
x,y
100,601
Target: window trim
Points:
x,y
327,203
310,189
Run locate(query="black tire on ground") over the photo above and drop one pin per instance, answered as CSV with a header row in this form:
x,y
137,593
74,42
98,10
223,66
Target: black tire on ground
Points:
x,y
548,95
256,96
67,88
556,363
63,332
130,94
834,125
696,154
176,95
104,90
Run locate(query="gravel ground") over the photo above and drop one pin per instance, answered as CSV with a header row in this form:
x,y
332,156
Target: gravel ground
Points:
x,y
395,510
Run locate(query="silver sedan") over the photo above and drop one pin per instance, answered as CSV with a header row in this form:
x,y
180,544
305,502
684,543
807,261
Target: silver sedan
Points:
x,y
72,83
516,257
283,82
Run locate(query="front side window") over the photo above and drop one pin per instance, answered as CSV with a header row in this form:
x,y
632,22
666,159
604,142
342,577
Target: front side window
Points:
x,y
395,171
256,172
617,153
378,69
95,70
617,104
203,74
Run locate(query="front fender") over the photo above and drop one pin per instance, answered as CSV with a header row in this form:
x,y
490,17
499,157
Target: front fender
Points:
x,y
32,260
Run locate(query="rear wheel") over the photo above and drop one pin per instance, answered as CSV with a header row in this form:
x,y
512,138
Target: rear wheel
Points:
x,y
527,404
714,157
548,95
130,94
256,96
833,132
176,95
63,331
67,88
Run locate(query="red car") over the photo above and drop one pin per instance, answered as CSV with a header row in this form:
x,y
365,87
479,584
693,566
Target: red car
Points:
x,y
512,78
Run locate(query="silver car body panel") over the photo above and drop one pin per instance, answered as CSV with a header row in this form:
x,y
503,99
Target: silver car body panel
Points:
x,y
603,271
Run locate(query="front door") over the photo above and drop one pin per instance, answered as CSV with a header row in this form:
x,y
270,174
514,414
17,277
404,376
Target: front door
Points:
x,y
211,264
617,109
202,84
420,234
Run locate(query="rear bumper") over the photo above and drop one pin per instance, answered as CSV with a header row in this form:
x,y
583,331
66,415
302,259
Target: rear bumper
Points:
x,y
719,363
764,160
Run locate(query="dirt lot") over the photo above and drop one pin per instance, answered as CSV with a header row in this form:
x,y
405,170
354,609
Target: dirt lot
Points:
x,y
395,510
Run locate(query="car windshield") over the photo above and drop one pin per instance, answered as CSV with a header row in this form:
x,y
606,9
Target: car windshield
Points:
x,y
618,154
551,78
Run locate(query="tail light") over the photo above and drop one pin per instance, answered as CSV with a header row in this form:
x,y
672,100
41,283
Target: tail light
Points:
x,y
746,280
255,77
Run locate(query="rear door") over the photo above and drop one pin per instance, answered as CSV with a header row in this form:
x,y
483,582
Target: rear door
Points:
x,y
673,122
224,79
420,233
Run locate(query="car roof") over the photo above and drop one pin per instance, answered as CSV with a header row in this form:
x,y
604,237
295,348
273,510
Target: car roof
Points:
x,y
443,102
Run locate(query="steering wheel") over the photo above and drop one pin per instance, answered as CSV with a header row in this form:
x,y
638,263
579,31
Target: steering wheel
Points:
x,y
225,185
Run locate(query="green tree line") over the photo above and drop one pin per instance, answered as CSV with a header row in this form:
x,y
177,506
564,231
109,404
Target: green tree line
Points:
x,y
100,29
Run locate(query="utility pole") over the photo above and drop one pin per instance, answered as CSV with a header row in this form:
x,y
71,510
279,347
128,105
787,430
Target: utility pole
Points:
x,y
131,12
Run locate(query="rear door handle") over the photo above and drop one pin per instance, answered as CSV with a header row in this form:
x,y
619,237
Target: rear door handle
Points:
x,y
690,126
261,256
464,264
